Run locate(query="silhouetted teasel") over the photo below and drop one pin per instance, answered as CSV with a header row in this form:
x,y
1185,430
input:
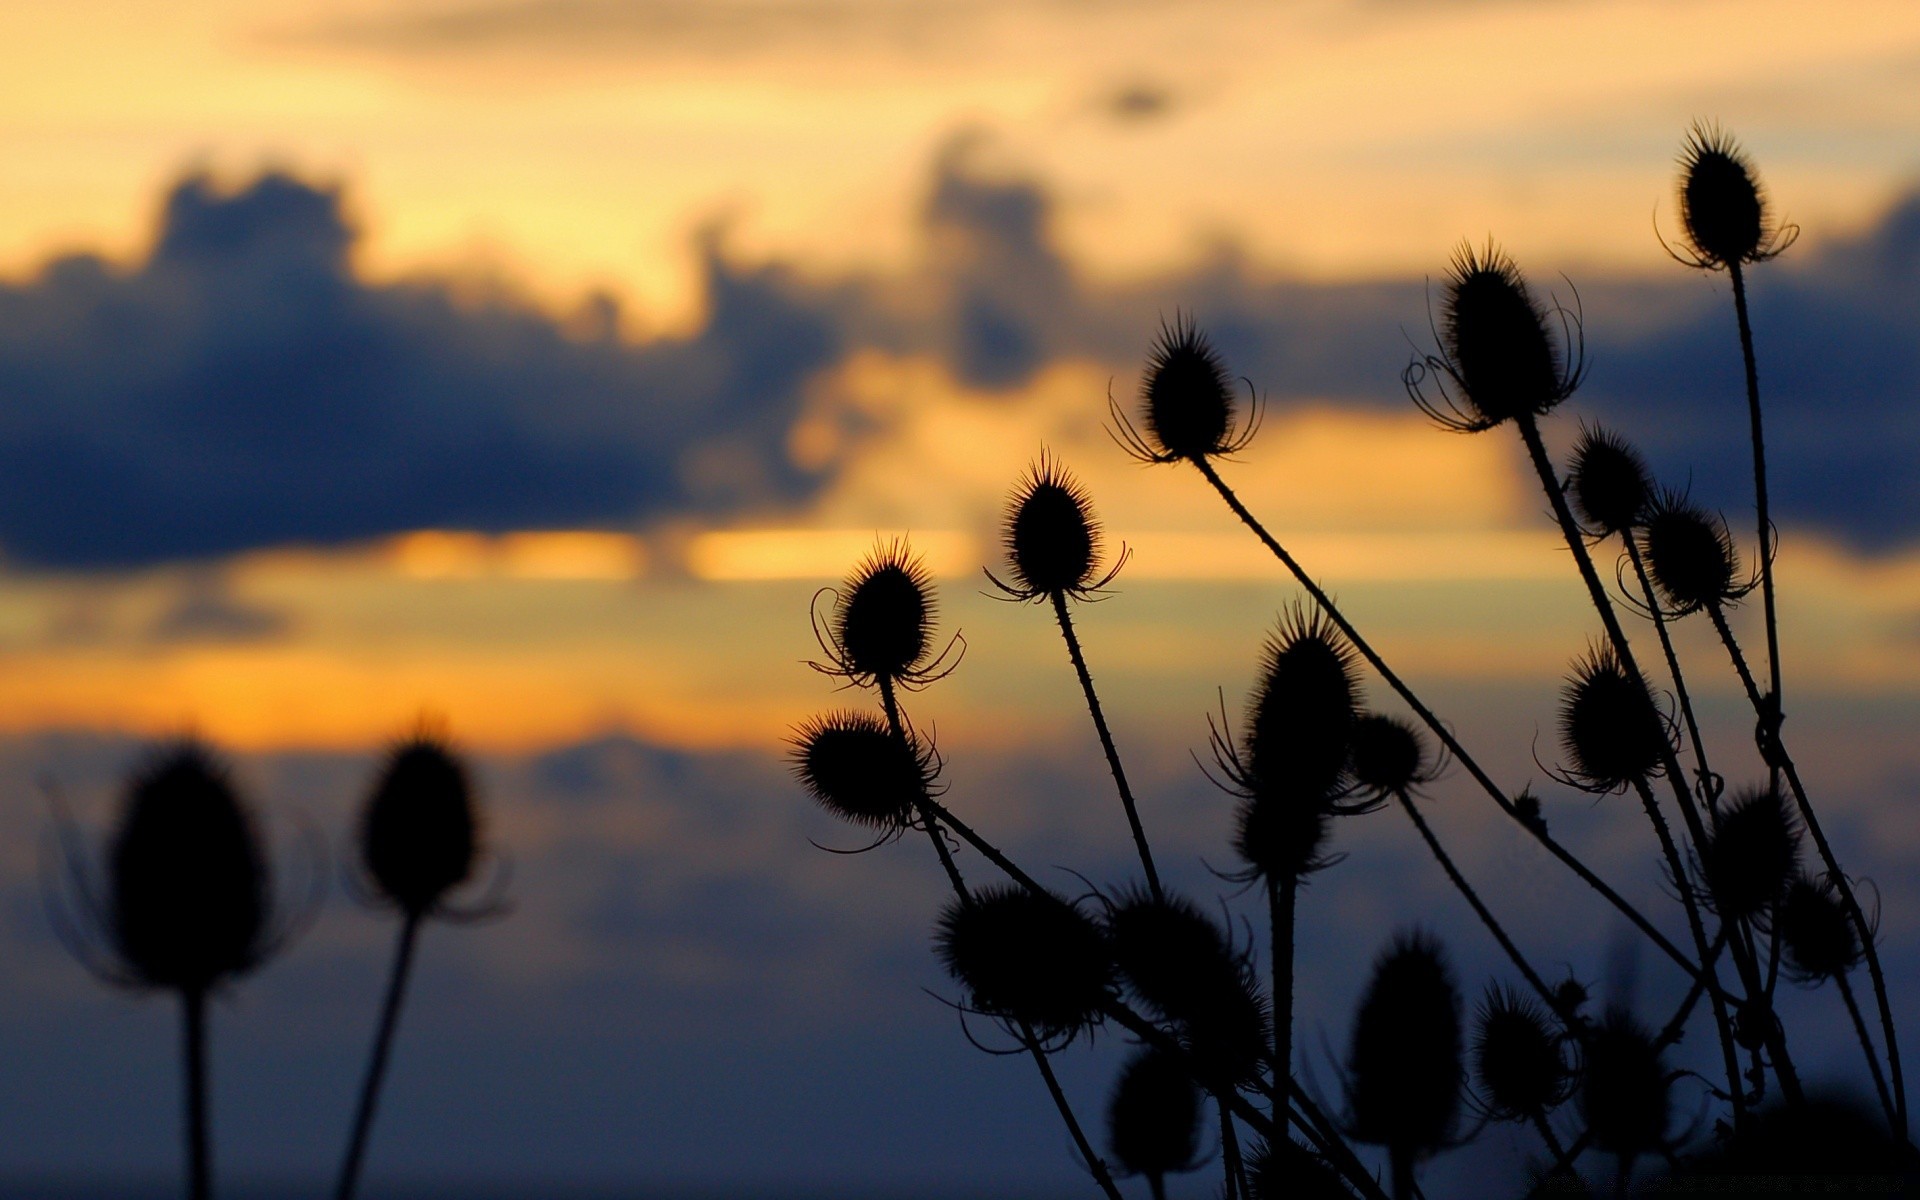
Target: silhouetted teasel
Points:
x,y
420,840
1052,540
1187,404
1404,1073
1608,483
1499,359
1289,1171
1519,1057
1816,932
1185,969
852,765
881,627
1625,1087
1751,855
1691,556
1610,729
188,904
1153,1118
1028,958
1723,208
1387,755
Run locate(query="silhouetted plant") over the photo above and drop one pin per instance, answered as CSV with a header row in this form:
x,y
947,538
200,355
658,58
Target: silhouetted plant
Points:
x,y
1153,1120
1028,958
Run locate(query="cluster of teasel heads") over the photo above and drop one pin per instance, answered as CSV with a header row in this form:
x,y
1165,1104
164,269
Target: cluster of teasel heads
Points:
x,y
1212,1041
187,898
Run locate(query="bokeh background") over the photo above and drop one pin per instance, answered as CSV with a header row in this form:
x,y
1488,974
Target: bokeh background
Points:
x,y
528,365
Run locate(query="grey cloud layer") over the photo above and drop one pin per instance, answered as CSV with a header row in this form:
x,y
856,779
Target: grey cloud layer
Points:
x,y
240,387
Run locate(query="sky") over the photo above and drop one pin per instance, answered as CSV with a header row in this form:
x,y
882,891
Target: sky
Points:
x,y
529,366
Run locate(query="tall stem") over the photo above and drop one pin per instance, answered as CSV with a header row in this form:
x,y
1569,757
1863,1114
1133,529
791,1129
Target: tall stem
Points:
x,y
1282,897
1106,742
1230,1153
1774,749
1759,491
1709,786
1480,910
377,1066
1536,829
1860,1031
193,1013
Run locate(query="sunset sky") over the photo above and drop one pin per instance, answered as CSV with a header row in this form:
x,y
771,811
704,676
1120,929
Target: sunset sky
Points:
x,y
529,365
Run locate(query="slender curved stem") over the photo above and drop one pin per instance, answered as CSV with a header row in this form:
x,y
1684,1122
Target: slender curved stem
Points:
x,y
1548,1136
1709,788
193,1013
1094,1162
1480,910
1230,1153
924,802
1535,829
1774,750
1860,1031
377,1065
1282,898
1106,742
1759,484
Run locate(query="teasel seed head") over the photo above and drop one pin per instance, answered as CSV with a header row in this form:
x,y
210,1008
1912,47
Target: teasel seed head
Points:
x,y
1498,359
1052,540
1609,483
1187,393
1624,1086
1611,730
853,765
1815,929
1404,1070
1028,958
881,627
1751,855
1722,204
1185,970
190,901
1282,835
419,832
1301,719
1519,1057
1690,555
1388,755
1153,1117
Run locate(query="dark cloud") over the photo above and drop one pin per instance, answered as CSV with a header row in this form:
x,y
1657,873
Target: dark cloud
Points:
x,y
207,611
242,387
1139,102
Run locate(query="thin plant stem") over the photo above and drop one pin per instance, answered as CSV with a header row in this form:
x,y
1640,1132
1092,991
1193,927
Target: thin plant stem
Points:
x,y
1547,1135
193,1014
1774,749
1709,788
924,802
1094,1162
1106,742
1459,752
1735,1093
1564,1164
1759,490
1230,1152
1282,898
377,1065
1860,1030
1480,910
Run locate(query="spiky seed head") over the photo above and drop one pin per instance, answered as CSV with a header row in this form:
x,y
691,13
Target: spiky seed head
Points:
x,y
885,615
1690,555
1624,1086
1053,542
1227,1029
1153,1117
1609,483
1387,755
190,895
1170,953
1721,203
856,769
1187,393
1814,927
1752,853
1404,1071
1281,834
1301,718
1610,729
1290,1171
1028,958
1496,338
1519,1057
419,833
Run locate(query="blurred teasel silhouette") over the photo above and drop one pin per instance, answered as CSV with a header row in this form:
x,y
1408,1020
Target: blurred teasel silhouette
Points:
x,y
1153,1119
188,904
1031,959
1404,1076
1608,483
